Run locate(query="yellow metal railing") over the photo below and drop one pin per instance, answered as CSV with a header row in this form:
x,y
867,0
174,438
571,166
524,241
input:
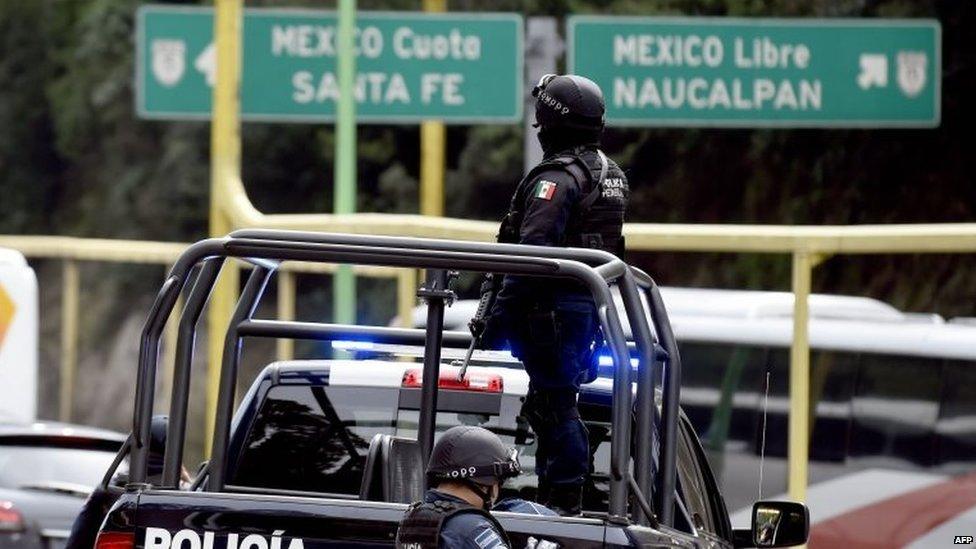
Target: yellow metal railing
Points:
x,y
807,245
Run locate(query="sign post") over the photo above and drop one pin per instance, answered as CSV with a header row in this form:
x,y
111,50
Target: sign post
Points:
x,y
410,66
225,165
344,281
761,72
432,144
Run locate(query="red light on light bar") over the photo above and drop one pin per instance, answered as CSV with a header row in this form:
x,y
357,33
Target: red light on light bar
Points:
x,y
115,540
473,381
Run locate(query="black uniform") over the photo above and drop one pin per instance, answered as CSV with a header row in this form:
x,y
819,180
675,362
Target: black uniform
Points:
x,y
444,521
575,197
562,202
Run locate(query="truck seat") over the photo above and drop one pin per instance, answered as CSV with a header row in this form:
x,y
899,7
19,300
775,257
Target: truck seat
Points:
x,y
394,470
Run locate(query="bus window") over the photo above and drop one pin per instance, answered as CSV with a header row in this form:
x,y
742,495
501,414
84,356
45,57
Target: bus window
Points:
x,y
720,390
832,379
777,416
957,418
896,405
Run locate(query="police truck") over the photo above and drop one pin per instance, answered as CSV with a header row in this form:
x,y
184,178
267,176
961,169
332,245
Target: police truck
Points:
x,y
329,452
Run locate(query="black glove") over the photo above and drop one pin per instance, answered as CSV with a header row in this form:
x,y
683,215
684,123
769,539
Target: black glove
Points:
x,y
481,324
477,326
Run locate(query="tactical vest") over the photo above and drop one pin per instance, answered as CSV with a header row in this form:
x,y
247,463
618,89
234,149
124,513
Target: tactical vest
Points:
x,y
597,219
421,525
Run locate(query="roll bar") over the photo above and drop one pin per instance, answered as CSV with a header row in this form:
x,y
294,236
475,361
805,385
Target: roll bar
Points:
x,y
265,249
665,481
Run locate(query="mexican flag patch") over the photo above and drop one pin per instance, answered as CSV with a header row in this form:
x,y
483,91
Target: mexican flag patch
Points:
x,y
545,190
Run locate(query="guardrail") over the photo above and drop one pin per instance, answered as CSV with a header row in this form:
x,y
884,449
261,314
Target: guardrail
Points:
x,y
71,251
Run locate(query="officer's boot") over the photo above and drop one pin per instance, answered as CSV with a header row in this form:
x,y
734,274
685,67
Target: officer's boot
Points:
x,y
566,499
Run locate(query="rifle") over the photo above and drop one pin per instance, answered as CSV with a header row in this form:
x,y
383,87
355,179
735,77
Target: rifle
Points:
x,y
507,234
478,323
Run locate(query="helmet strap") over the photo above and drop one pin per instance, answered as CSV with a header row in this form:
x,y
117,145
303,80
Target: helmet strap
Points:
x,y
556,140
481,491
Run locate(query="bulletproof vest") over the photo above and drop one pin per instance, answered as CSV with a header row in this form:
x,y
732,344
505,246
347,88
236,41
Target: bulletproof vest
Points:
x,y
421,525
597,219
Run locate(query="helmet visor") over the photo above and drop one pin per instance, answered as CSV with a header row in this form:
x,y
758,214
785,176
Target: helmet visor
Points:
x,y
543,82
541,85
509,468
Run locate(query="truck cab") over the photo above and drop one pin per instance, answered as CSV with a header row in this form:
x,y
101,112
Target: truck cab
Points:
x,y
328,453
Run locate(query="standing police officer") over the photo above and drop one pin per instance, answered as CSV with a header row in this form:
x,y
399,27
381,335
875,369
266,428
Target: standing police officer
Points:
x,y
575,197
466,470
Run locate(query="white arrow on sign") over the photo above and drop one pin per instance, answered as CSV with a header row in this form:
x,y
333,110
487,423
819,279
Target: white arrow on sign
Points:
x,y
206,63
874,71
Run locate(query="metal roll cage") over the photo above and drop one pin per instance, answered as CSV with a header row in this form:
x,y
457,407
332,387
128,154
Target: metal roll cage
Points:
x,y
265,249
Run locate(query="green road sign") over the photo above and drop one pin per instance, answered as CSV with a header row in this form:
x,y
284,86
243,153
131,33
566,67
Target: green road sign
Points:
x,y
761,72
410,66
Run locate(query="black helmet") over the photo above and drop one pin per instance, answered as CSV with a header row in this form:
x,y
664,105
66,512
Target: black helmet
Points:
x,y
471,454
568,101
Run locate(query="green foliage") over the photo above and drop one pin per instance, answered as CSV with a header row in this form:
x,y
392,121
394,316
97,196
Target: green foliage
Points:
x,y
29,168
489,166
75,159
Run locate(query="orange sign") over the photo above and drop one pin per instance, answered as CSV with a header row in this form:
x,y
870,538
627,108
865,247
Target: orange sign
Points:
x,y
7,309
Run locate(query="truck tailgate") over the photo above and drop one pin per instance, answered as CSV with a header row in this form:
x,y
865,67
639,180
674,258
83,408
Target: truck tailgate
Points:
x,y
165,519
203,520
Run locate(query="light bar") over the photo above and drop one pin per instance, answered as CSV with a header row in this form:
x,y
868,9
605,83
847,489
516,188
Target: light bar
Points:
x,y
607,360
447,353
478,382
353,345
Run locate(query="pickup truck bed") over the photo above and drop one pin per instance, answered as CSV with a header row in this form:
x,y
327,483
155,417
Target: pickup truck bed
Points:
x,y
291,503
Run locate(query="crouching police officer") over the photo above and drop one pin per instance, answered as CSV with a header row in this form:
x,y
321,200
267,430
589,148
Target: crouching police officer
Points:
x,y
466,469
575,197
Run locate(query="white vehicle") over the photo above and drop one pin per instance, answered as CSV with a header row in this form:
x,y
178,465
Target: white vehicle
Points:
x,y
18,338
894,430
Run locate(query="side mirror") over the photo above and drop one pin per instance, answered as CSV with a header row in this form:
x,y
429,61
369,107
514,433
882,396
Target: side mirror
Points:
x,y
779,524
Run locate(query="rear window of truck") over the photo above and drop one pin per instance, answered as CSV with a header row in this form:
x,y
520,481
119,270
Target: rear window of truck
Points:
x,y
314,438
